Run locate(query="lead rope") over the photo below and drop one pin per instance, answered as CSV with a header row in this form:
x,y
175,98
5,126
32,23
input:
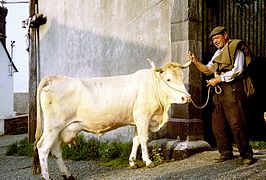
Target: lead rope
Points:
x,y
217,89
208,97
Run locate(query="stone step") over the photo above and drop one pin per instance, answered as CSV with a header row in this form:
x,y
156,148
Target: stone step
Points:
x,y
173,149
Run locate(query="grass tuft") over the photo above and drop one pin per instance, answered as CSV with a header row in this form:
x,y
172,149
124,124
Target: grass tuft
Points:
x,y
83,150
20,148
259,145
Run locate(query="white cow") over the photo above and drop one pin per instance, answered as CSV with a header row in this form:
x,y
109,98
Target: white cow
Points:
x,y
98,105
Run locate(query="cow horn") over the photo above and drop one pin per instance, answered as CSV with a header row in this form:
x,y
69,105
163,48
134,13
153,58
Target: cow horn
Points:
x,y
152,63
185,65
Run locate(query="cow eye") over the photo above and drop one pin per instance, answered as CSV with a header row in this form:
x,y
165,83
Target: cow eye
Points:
x,y
168,80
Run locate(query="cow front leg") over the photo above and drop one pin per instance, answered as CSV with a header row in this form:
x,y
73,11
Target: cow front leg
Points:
x,y
57,152
144,150
133,154
142,128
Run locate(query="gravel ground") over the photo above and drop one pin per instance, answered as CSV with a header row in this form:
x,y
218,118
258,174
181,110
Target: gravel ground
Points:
x,y
198,166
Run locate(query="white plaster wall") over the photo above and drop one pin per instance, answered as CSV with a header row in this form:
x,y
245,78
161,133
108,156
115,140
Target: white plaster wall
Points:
x,y
103,37
6,85
6,88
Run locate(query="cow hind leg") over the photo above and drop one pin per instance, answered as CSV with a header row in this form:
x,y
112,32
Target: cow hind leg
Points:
x,y
44,145
57,152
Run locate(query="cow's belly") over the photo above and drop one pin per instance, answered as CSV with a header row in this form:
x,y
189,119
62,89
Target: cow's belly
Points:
x,y
97,126
101,123
99,115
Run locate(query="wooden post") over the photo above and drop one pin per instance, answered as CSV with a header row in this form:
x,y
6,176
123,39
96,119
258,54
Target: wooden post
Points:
x,y
32,76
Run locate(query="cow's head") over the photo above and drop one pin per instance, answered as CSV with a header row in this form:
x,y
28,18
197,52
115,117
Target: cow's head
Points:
x,y
171,83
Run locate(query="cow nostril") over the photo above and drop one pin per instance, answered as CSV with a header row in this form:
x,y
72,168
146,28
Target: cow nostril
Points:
x,y
186,98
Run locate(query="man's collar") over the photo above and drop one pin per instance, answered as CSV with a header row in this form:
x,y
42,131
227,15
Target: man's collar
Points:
x,y
223,47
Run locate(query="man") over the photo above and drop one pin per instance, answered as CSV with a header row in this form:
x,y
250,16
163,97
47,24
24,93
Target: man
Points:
x,y
227,66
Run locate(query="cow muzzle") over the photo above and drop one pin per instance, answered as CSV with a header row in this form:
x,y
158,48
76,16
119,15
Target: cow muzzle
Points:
x,y
185,99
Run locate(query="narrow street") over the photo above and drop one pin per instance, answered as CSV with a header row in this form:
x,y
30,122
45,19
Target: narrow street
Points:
x,y
198,166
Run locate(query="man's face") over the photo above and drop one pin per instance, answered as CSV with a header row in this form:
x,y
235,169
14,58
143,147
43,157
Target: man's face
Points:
x,y
220,40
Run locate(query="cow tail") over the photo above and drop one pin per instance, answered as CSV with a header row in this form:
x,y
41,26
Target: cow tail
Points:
x,y
38,133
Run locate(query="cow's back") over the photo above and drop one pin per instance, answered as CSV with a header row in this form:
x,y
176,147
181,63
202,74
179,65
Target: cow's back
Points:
x,y
113,98
115,90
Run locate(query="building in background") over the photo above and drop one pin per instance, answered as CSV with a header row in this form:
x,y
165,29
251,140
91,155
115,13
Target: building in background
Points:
x,y
7,70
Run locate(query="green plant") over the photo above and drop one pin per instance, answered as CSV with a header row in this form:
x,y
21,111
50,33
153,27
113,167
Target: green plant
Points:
x,y
12,149
107,153
82,150
156,154
114,150
115,154
258,144
20,148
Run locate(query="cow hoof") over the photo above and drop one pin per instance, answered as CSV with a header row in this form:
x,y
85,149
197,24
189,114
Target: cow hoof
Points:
x,y
68,178
151,165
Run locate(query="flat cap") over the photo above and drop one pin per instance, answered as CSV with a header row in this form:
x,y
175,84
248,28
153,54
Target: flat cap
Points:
x,y
217,30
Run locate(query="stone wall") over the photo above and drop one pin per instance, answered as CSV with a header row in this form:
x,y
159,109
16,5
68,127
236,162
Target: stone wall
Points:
x,y
186,36
186,120
21,103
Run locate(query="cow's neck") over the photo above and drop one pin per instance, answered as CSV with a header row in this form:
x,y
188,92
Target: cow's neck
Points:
x,y
159,118
158,93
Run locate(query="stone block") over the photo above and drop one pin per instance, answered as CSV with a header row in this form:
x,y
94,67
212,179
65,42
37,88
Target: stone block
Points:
x,y
179,31
173,149
179,11
185,129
